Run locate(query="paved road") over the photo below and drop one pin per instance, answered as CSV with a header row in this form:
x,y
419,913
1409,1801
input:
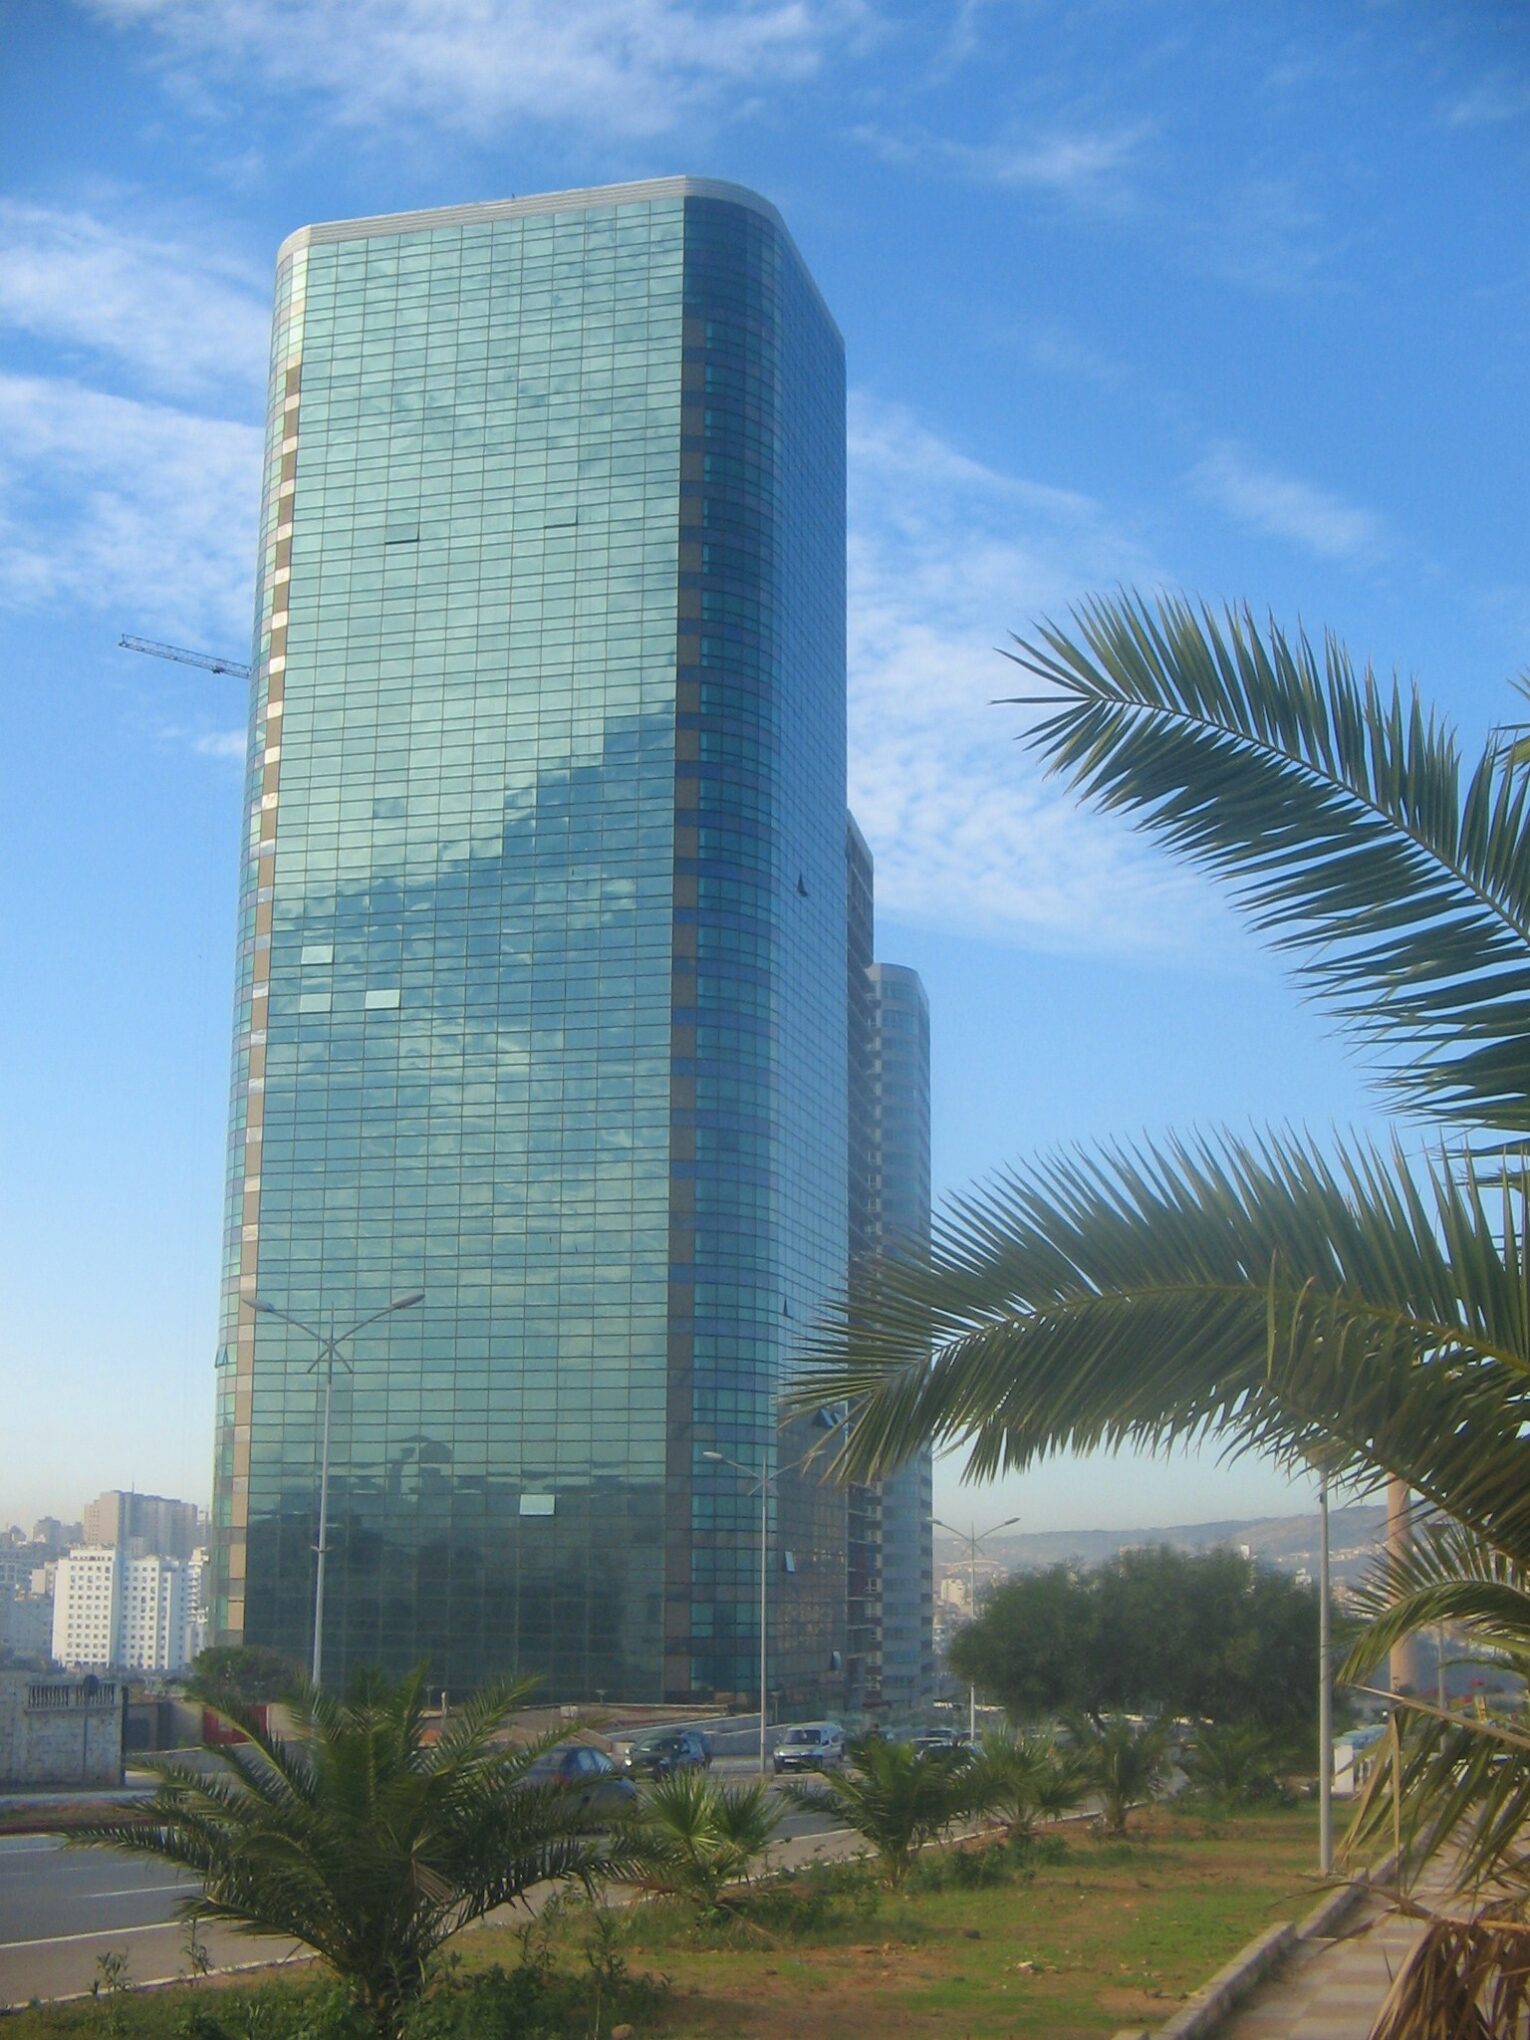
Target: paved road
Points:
x,y
62,1910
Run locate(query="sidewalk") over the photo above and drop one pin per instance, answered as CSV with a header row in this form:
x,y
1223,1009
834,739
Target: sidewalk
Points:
x,y
1329,1990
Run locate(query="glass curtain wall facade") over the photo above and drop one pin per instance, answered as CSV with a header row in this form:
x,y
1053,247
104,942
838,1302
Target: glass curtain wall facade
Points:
x,y
863,1504
901,1213
540,1004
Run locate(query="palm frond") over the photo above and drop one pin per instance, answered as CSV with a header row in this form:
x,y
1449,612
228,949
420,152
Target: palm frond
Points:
x,y
356,1836
1445,1575
1451,1788
1340,814
1333,1308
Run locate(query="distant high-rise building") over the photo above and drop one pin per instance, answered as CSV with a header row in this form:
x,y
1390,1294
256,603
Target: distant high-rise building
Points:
x,y
149,1525
541,991
901,1213
863,1502
116,1612
26,1625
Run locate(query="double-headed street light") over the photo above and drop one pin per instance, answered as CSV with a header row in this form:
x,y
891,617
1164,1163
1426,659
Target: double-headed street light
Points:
x,y
972,1540
329,1352
764,1482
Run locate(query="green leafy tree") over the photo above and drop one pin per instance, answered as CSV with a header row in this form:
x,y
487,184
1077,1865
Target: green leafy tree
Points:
x,y
1153,1631
360,1839
1125,1762
241,1675
1345,1306
693,1837
1022,1779
895,1797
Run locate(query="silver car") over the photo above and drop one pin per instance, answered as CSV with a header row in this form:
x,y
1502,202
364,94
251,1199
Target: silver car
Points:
x,y
812,1746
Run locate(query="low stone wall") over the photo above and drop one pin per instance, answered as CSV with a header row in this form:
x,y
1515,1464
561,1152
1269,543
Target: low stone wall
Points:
x,y
60,1732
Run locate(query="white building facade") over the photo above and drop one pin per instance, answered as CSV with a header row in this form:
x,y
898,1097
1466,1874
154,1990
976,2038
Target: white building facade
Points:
x,y
115,1612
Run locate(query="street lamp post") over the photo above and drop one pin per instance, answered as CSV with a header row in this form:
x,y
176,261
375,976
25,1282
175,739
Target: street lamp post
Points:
x,y
329,1352
1325,1690
764,1482
972,1540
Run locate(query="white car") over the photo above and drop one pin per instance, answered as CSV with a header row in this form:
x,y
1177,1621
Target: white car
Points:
x,y
811,1746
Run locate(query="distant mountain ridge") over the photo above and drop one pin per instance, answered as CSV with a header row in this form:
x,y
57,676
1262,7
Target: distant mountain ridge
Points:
x,y
1289,1543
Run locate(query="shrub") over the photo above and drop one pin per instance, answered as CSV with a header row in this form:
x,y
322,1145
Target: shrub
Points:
x,y
1234,1764
896,1797
819,1897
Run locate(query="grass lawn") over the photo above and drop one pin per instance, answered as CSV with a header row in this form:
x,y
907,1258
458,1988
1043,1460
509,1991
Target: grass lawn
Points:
x,y
1116,1933
1109,1934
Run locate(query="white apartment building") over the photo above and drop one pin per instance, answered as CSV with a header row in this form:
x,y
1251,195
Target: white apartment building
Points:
x,y
115,1612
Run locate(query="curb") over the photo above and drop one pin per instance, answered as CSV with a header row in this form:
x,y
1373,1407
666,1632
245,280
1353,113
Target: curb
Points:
x,y
1207,2007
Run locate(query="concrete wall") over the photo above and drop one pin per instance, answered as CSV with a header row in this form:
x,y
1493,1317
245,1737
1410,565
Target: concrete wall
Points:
x,y
60,1731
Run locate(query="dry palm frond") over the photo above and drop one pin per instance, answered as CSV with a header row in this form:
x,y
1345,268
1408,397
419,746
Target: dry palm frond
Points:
x,y
1466,1979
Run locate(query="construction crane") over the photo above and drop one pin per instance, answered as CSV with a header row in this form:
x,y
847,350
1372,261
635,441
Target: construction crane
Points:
x,y
205,660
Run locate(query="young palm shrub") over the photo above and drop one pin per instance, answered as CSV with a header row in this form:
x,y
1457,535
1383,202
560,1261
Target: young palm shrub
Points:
x,y
1021,1779
895,1797
1126,1765
693,1838
357,1838
1233,1763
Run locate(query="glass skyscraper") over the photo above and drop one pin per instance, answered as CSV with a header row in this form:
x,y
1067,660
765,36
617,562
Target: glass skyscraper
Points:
x,y
541,998
899,1215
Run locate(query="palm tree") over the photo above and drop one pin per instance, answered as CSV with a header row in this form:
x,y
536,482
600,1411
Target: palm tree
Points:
x,y
1021,1779
1352,1307
895,1797
693,1838
357,1837
1233,1762
1125,1762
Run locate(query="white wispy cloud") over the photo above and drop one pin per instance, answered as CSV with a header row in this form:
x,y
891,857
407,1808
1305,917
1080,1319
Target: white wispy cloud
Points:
x,y
135,510
605,67
1496,97
227,744
1076,164
176,315
1085,165
947,555
1283,506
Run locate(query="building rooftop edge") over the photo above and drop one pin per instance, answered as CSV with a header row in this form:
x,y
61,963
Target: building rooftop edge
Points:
x,y
582,199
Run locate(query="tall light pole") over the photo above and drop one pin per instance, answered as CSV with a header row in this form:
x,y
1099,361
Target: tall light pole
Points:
x,y
1325,1691
329,1352
764,1482
972,1540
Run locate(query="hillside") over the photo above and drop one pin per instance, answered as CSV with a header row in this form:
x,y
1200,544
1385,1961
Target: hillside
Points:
x,y
1287,1542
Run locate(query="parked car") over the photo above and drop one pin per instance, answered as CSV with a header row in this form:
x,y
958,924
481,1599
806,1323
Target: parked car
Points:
x,y
931,1742
944,1742
601,1790
663,1751
812,1746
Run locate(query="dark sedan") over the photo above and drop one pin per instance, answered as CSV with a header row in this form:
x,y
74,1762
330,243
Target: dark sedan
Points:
x,y
589,1775
665,1751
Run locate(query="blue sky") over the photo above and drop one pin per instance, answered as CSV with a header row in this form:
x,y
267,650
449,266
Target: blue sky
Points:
x,y
1228,299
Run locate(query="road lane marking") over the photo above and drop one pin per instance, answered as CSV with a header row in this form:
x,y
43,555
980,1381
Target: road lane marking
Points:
x,y
97,1934
133,1890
